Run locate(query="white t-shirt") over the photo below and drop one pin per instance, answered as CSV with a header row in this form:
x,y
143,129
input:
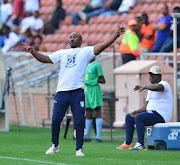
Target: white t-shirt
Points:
x,y
96,3
27,22
31,5
125,5
6,10
161,101
73,63
38,23
10,41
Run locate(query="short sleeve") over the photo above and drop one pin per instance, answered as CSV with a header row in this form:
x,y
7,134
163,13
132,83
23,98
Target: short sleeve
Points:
x,y
165,84
148,95
90,52
56,56
99,70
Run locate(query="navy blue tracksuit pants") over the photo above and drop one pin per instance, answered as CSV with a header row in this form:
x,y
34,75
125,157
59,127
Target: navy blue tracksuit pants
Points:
x,y
62,101
147,118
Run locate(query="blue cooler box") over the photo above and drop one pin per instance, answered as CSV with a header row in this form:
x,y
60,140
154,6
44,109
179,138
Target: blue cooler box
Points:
x,y
164,136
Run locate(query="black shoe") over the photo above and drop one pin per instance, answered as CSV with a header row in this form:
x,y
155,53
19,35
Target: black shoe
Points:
x,y
97,141
87,140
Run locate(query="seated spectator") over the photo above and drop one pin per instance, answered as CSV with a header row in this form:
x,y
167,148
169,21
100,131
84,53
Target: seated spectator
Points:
x,y
6,13
32,5
125,6
129,44
10,38
157,109
38,45
168,43
28,38
107,9
18,11
147,34
58,15
38,22
91,6
163,28
114,7
26,22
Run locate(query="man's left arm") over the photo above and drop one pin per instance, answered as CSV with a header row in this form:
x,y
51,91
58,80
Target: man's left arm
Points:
x,y
100,47
100,74
152,87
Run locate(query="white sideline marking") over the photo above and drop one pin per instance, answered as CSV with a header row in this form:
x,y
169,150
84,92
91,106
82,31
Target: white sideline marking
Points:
x,y
31,160
143,160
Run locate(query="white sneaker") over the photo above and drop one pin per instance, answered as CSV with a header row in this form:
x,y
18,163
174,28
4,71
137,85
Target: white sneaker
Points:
x,y
52,149
82,15
79,153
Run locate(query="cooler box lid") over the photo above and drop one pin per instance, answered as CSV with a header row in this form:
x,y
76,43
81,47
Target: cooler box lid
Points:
x,y
170,124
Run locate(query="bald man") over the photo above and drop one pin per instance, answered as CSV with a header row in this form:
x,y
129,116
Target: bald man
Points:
x,y
70,89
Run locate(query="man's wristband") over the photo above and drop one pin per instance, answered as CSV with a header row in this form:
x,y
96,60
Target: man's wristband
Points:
x,y
144,86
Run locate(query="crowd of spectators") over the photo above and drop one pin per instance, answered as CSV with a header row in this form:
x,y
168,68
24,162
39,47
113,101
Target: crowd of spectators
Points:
x,y
21,22
152,37
102,8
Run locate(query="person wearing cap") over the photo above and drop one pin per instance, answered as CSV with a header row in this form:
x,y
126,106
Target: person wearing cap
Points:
x,y
129,44
157,109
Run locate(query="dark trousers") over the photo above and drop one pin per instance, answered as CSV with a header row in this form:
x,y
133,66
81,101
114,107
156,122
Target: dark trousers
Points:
x,y
157,45
141,120
62,101
168,44
127,57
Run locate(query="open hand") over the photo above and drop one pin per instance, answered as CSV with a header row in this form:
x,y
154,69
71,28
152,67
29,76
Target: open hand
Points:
x,y
27,48
138,88
133,114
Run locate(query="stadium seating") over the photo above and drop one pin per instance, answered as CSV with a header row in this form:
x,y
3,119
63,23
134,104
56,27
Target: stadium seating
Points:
x,y
99,27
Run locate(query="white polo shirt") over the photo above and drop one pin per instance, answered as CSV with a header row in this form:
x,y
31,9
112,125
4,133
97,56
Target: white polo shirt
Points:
x,y
73,63
161,101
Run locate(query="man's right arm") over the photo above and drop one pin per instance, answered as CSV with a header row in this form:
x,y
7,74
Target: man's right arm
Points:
x,y
142,109
40,57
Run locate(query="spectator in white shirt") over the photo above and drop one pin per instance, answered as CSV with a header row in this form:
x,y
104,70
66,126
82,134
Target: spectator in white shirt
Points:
x,y
26,22
38,22
6,13
125,6
31,5
10,39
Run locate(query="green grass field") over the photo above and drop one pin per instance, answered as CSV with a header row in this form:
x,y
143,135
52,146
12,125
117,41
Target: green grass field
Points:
x,y
28,146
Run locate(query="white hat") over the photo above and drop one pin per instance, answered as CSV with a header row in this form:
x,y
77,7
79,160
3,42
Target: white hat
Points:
x,y
155,70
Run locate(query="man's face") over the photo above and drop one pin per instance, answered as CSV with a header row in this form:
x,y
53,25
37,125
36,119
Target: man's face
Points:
x,y
75,40
133,27
144,20
5,1
154,78
5,31
164,10
36,14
